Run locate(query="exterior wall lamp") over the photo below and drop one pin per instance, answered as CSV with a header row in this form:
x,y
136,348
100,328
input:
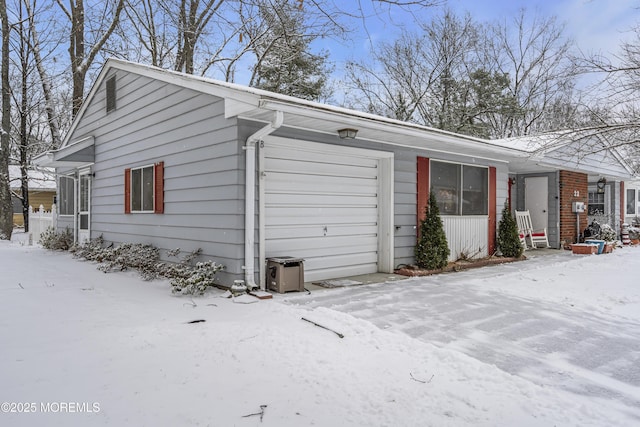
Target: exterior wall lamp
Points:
x,y
600,184
347,133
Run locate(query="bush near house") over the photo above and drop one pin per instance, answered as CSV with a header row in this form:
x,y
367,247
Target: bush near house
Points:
x,y
186,278
56,241
508,236
432,248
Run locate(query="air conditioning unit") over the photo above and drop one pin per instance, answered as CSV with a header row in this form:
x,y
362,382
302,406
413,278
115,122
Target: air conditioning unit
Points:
x,y
285,274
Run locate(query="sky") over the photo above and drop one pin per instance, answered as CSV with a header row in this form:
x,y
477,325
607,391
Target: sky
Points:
x,y
595,25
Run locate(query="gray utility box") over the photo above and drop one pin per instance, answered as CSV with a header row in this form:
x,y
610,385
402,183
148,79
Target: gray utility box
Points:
x,y
285,274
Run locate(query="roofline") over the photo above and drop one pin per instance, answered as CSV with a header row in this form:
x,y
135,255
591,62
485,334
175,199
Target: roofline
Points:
x,y
259,98
255,98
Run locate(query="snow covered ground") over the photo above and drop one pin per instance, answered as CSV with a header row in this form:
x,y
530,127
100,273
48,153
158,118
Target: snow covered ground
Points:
x,y
549,341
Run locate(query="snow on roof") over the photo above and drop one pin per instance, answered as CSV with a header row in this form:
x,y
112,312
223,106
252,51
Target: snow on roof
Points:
x,y
39,179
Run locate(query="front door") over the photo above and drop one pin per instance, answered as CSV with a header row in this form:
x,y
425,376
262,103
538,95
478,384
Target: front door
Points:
x,y
536,200
84,206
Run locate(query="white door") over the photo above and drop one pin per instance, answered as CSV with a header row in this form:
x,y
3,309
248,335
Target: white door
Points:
x,y
323,203
536,200
84,205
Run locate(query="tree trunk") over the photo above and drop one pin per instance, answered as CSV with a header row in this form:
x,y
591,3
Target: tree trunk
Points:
x,y
24,114
6,207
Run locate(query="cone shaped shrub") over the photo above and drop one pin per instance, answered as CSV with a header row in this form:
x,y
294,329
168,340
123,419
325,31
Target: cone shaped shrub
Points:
x,y
508,235
432,249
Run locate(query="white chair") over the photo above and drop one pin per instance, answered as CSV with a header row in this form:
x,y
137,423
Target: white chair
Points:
x,y
525,229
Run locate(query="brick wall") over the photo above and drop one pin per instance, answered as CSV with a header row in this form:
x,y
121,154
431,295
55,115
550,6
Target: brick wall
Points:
x,y
573,188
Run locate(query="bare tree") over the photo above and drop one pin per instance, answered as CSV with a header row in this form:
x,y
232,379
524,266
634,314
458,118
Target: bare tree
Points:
x,y
492,81
82,56
534,52
53,118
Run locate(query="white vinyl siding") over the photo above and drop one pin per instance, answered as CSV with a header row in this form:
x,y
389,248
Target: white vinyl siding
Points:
x,y
322,205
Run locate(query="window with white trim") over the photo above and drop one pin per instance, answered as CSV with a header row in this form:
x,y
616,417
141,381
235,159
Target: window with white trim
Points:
x,y
460,189
142,189
596,203
66,196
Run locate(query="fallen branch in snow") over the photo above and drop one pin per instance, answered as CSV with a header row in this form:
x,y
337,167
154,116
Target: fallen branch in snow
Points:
x,y
261,413
196,321
192,303
421,381
20,284
323,327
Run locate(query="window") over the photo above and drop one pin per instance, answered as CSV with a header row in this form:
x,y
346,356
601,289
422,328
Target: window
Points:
x,y
144,189
111,93
631,201
66,197
460,189
596,203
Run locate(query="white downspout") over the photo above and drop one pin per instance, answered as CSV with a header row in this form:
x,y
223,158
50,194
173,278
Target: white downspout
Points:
x,y
250,197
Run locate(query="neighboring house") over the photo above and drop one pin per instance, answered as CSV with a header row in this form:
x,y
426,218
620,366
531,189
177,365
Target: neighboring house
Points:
x,y
563,168
175,160
42,191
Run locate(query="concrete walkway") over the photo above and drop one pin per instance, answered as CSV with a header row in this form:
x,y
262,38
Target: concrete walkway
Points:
x,y
551,344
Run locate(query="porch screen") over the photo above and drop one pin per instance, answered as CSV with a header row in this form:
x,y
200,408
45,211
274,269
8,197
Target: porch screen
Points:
x,y
460,189
66,200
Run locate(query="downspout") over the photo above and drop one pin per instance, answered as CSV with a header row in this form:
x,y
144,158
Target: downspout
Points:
x,y
250,197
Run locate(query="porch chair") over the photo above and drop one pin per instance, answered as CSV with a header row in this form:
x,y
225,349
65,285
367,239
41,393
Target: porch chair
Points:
x,y
525,230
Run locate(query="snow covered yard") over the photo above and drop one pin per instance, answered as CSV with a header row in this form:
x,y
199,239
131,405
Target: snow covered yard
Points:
x,y
80,347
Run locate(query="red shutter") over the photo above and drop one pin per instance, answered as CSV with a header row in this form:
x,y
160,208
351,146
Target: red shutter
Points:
x,y
492,211
158,199
422,188
127,191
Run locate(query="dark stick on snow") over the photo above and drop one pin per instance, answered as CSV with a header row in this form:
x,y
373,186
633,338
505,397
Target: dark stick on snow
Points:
x,y
323,327
197,321
261,413
420,381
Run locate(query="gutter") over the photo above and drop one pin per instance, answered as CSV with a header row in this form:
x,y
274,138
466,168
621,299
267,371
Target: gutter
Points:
x,y
250,197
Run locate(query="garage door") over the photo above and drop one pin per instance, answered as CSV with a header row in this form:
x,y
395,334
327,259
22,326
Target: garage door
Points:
x,y
321,203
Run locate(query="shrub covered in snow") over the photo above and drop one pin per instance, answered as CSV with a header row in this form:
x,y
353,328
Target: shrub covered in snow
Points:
x,y
607,233
186,278
54,240
142,257
200,278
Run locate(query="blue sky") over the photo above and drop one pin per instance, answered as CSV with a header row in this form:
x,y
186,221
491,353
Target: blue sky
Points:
x,y
595,25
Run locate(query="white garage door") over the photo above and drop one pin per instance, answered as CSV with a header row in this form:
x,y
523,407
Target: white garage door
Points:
x,y
321,203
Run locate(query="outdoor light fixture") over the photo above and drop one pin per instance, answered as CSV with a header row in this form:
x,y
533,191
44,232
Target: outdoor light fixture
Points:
x,y
601,183
347,133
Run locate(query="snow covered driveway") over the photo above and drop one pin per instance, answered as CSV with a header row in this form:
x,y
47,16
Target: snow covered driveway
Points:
x,y
517,345
563,321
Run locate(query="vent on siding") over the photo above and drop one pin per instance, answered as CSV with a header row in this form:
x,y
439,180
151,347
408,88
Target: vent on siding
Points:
x,y
111,94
